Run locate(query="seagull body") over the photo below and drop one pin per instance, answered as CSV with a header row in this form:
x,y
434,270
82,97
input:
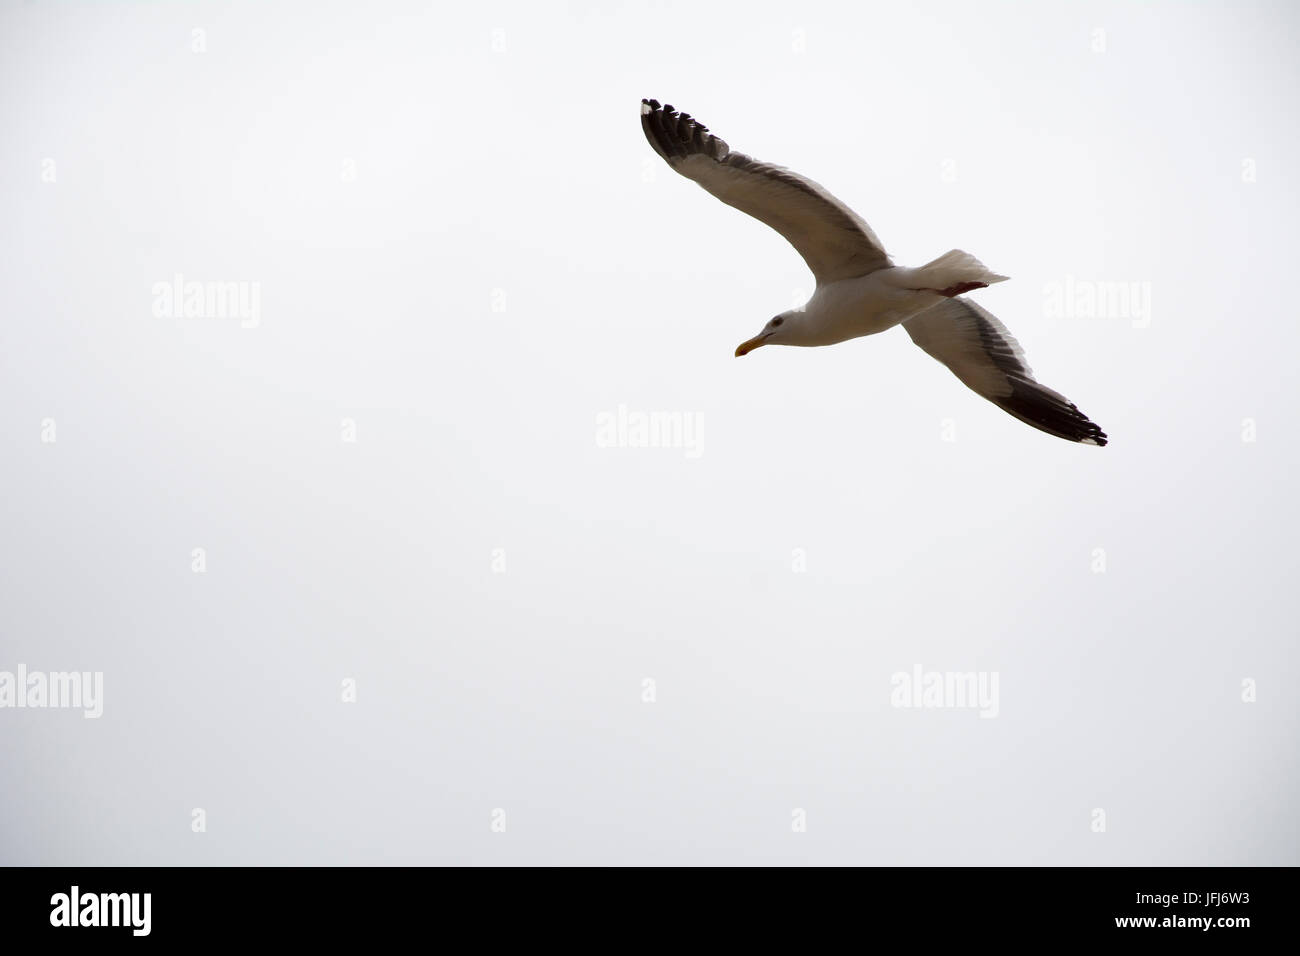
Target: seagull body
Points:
x,y
859,289
848,308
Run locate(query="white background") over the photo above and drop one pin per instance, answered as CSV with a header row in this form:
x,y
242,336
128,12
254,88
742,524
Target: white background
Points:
x,y
499,162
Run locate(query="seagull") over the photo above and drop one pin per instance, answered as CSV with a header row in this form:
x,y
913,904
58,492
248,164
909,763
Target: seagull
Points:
x,y
859,289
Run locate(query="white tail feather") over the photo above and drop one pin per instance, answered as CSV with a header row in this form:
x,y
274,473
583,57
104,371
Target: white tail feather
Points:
x,y
954,268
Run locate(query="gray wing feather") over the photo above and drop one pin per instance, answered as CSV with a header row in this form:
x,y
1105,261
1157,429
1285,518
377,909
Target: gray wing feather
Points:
x,y
979,350
834,241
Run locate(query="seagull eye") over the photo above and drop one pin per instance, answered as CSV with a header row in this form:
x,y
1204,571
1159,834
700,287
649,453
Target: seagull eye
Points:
x,y
776,322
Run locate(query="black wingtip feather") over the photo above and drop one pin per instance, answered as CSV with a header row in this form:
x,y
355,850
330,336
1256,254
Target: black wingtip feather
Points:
x,y
677,135
1048,411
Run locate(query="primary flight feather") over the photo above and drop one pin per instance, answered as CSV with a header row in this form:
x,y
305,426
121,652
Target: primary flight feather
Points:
x,y
859,289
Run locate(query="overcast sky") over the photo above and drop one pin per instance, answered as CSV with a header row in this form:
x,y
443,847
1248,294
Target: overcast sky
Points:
x,y
370,563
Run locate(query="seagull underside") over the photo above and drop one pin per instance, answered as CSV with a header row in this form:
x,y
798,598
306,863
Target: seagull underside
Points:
x,y
846,257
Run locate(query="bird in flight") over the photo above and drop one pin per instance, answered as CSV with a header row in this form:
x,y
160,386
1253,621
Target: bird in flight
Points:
x,y
859,289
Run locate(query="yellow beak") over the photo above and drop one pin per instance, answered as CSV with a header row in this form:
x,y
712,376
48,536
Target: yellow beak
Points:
x,y
744,348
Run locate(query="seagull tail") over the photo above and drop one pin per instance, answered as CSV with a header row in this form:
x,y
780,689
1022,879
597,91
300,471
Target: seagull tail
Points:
x,y
955,272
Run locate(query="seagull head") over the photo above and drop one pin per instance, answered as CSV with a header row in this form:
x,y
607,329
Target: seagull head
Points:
x,y
775,332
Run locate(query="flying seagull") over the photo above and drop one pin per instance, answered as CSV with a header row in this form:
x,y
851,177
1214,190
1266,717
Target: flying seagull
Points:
x,y
859,290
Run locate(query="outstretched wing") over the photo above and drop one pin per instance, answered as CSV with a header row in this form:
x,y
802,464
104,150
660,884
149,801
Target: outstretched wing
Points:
x,y
830,236
983,354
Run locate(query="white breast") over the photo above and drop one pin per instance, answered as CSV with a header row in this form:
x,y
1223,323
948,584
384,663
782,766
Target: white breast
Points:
x,y
863,306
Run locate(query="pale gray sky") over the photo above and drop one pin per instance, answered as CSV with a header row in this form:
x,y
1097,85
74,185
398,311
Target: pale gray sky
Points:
x,y
459,255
